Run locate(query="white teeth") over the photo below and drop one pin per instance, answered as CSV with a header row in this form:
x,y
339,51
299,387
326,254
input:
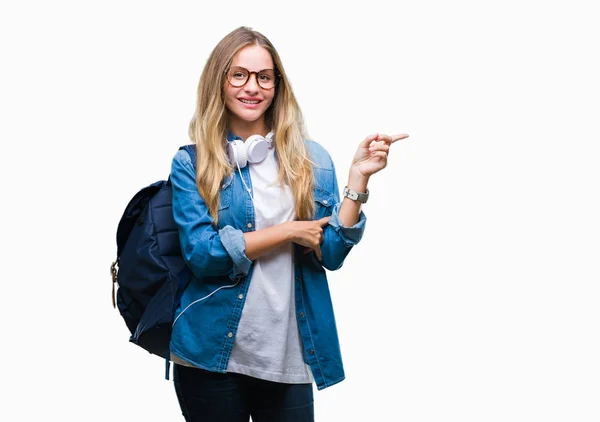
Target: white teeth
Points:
x,y
249,102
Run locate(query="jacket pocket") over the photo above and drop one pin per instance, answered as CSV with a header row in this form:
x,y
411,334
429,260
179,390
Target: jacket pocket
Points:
x,y
323,202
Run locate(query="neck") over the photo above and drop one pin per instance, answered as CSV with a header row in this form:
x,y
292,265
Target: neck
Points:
x,y
244,129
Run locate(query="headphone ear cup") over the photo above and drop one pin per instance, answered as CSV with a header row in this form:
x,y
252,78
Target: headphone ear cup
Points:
x,y
257,148
237,153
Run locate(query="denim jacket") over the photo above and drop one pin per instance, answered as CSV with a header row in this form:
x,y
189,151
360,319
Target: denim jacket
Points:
x,y
207,318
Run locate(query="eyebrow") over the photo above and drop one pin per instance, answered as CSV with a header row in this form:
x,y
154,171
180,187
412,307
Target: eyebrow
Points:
x,y
245,68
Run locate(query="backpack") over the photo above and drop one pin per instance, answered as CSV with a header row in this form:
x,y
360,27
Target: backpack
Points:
x,y
150,271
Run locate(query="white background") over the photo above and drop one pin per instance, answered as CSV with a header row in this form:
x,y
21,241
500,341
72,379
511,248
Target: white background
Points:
x,y
474,295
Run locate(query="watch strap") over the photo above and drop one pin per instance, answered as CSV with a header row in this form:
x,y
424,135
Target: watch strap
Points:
x,y
356,196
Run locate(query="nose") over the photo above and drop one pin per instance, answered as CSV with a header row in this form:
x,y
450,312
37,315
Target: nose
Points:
x,y
252,83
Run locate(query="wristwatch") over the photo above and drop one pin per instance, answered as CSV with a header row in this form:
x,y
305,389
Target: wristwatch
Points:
x,y
356,196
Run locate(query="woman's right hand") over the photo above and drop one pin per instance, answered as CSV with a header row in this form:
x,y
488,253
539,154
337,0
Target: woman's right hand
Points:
x,y
309,234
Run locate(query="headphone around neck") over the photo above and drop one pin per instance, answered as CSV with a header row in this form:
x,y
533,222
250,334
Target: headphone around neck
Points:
x,y
254,150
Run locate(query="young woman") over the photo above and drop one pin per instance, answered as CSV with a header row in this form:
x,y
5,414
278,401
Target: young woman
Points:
x,y
260,221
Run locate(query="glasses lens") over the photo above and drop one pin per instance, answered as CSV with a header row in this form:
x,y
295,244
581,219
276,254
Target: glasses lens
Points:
x,y
266,78
237,76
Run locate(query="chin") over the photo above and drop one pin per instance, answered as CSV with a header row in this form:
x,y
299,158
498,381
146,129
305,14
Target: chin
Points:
x,y
250,116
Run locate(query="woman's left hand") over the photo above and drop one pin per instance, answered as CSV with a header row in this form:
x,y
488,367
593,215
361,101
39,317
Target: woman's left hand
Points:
x,y
372,153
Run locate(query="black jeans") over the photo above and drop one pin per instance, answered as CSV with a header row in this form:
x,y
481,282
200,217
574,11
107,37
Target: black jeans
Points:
x,y
212,397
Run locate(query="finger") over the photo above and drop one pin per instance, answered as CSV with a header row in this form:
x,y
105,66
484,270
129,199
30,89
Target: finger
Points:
x,y
367,141
323,221
380,142
306,250
379,154
390,139
398,137
379,146
381,157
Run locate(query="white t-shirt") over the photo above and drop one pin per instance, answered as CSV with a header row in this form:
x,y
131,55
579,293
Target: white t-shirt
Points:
x,y
267,344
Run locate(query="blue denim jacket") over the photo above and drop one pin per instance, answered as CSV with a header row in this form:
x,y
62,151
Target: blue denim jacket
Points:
x,y
211,306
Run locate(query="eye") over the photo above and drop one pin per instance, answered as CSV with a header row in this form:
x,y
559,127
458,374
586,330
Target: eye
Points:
x,y
265,77
238,73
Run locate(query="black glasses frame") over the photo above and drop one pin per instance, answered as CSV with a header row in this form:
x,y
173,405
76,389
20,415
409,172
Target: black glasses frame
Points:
x,y
276,77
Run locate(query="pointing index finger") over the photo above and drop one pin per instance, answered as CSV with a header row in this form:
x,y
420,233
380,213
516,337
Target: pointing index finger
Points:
x,y
398,137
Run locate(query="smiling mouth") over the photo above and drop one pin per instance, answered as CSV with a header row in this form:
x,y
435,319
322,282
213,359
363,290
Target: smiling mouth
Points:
x,y
249,101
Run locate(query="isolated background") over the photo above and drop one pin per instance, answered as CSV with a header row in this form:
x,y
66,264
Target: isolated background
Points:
x,y
474,293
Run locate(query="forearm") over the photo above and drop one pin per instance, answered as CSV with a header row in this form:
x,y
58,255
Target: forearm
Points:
x,y
261,241
349,209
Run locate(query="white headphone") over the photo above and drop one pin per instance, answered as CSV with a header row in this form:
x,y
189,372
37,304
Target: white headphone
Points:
x,y
254,150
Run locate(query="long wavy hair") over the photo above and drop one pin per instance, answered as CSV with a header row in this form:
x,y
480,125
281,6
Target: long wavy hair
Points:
x,y
208,127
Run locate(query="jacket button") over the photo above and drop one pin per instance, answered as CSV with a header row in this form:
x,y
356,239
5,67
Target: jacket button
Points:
x,y
301,314
230,335
240,296
311,351
249,225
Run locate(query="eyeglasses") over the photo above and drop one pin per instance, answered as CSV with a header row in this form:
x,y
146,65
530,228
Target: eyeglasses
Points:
x,y
238,76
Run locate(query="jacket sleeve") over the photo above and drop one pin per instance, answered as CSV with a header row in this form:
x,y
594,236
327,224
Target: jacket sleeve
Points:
x,y
338,239
206,250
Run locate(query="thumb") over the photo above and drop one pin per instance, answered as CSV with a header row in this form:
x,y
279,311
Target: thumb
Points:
x,y
367,141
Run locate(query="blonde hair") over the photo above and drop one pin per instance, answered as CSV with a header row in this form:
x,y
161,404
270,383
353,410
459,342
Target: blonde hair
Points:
x,y
208,127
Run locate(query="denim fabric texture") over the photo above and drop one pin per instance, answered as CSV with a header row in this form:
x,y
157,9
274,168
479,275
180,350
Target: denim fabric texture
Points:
x,y
211,306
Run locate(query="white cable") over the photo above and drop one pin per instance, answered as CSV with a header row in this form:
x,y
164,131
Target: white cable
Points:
x,y
201,299
244,182
236,283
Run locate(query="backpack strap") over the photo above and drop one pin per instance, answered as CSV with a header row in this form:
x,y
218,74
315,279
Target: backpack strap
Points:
x,y
191,149
184,274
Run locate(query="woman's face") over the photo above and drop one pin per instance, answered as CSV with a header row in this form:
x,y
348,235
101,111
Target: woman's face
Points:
x,y
247,104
